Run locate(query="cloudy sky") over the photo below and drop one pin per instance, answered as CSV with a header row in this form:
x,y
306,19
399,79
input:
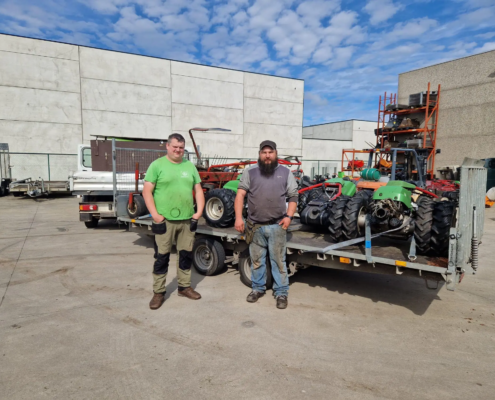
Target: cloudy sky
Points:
x,y
348,52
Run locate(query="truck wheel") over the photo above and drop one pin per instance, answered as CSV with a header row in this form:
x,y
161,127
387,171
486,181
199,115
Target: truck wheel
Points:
x,y
442,219
3,191
208,256
335,218
138,207
424,223
219,208
245,270
91,224
16,194
354,215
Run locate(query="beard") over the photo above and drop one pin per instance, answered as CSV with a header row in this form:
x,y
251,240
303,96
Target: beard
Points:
x,y
267,169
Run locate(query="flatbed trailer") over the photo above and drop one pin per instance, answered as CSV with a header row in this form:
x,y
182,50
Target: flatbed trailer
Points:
x,y
305,249
37,188
215,247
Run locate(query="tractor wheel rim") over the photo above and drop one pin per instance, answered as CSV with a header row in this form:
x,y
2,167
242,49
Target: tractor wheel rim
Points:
x,y
361,220
214,208
203,257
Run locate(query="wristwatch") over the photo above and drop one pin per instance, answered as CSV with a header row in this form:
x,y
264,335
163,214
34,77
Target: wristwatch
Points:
x,y
288,216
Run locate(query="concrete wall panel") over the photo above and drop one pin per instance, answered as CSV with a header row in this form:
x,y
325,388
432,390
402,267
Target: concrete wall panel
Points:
x,y
121,67
25,70
125,125
206,92
40,137
205,72
331,150
38,47
273,112
22,104
125,97
336,130
286,137
186,116
36,166
273,88
464,72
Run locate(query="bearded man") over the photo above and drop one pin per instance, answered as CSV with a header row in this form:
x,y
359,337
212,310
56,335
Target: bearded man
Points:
x,y
268,185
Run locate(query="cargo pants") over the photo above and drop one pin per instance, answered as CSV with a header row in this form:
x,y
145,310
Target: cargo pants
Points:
x,y
180,233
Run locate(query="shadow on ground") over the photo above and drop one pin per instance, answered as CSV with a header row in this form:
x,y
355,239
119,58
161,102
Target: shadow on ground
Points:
x,y
410,293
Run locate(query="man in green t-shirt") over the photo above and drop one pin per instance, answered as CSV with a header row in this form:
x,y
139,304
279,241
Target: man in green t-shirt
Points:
x,y
168,193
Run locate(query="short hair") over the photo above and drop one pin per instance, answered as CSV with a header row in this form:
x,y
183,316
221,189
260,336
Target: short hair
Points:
x,y
176,136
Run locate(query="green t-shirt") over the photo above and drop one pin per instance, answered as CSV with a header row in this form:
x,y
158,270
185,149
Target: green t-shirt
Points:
x,y
174,184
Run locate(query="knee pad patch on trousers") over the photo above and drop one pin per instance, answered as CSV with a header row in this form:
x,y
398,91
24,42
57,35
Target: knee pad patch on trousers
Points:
x,y
185,260
160,266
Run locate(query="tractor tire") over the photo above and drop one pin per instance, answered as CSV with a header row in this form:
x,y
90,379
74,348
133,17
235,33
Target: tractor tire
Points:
x,y
208,256
245,270
355,210
442,219
302,202
219,208
424,224
336,217
138,207
314,194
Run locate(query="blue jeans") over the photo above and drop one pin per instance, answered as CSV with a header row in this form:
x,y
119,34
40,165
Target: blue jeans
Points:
x,y
269,239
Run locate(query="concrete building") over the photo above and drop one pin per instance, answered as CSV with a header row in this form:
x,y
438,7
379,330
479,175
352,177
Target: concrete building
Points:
x,y
54,96
466,122
323,144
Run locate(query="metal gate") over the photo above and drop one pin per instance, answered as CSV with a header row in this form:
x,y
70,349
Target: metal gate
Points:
x,y
468,230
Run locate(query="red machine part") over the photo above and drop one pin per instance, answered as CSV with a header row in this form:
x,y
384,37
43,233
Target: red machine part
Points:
x,y
327,184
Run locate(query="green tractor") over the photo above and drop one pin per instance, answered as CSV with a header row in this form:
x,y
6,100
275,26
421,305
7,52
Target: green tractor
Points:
x,y
403,208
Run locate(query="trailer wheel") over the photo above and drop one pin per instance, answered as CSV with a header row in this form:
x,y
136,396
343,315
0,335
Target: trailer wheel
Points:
x,y
245,270
91,224
336,216
424,223
208,256
138,207
354,215
442,219
219,208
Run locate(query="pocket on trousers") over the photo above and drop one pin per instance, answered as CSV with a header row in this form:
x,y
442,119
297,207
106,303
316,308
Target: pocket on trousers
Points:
x,y
159,229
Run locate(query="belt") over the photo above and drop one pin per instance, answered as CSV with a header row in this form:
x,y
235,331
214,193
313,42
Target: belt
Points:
x,y
271,221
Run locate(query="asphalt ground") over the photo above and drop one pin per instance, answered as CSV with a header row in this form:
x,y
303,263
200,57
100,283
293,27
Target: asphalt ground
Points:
x,y
75,324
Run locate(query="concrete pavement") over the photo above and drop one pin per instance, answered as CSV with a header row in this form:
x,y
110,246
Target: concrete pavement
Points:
x,y
75,324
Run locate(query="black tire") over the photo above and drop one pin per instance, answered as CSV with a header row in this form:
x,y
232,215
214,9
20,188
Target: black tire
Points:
x,y
314,194
355,208
245,270
442,220
16,194
208,256
219,208
138,207
91,224
336,216
302,202
3,191
424,224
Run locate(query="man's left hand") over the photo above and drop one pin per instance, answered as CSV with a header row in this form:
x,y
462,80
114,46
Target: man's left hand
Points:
x,y
196,216
285,222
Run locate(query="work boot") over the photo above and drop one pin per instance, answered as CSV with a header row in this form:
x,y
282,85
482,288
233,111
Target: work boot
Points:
x,y
157,301
254,296
282,302
190,293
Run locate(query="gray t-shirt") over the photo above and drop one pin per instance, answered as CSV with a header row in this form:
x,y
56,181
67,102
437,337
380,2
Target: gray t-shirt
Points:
x,y
267,194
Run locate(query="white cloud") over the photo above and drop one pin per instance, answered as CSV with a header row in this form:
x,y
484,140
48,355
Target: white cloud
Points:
x,y
487,35
489,46
342,57
381,10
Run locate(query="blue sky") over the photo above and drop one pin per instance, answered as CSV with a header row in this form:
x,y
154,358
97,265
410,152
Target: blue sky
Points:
x,y
348,52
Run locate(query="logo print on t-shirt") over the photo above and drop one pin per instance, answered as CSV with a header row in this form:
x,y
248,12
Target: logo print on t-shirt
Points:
x,y
184,174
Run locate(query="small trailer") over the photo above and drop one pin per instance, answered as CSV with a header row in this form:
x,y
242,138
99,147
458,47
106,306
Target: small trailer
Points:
x,y
39,187
215,247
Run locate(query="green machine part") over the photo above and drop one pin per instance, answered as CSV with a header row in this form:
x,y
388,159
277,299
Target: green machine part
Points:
x,y
370,174
348,188
233,185
397,191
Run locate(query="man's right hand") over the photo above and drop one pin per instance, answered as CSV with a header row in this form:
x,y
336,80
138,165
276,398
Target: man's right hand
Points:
x,y
158,218
239,225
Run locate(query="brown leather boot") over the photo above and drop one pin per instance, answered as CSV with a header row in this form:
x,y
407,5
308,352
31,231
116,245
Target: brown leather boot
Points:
x,y
157,301
190,293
